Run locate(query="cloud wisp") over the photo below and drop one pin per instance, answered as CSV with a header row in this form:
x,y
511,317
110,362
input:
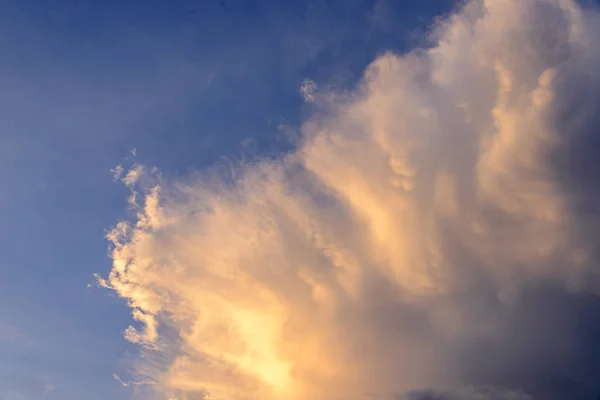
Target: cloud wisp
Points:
x,y
431,237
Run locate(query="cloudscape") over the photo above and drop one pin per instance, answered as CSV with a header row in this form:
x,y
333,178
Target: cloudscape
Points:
x,y
432,234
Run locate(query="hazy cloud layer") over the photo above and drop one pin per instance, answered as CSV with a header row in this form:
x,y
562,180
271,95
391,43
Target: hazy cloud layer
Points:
x,y
432,237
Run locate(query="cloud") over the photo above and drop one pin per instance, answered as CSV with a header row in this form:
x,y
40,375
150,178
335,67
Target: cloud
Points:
x,y
308,90
468,393
23,387
117,172
432,235
127,384
10,333
132,177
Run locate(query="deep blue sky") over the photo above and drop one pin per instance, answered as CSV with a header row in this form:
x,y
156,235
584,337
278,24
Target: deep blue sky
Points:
x,y
82,83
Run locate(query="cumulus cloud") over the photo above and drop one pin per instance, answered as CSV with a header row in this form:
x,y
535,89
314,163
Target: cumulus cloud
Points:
x,y
431,237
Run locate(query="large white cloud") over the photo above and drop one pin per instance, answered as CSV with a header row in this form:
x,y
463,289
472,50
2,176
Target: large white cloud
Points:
x,y
427,233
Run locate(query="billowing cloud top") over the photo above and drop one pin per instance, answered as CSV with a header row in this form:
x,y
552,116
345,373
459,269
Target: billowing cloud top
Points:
x,y
433,236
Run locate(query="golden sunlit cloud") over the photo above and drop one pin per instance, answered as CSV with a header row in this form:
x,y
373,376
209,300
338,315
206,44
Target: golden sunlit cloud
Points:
x,y
401,229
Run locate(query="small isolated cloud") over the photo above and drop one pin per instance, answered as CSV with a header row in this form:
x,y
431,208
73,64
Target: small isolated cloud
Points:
x,y
24,387
117,172
436,228
11,334
308,90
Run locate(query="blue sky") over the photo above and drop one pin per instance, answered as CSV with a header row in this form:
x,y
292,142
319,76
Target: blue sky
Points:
x,y
82,83
432,236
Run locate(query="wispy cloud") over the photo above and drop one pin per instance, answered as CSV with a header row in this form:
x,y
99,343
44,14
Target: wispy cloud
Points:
x,y
24,388
12,335
308,90
414,239
117,172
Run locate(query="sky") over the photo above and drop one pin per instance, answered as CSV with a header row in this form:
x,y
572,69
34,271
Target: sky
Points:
x,y
317,199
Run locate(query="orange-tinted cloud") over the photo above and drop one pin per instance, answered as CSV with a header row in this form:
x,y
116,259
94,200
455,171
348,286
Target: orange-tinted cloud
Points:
x,y
400,232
